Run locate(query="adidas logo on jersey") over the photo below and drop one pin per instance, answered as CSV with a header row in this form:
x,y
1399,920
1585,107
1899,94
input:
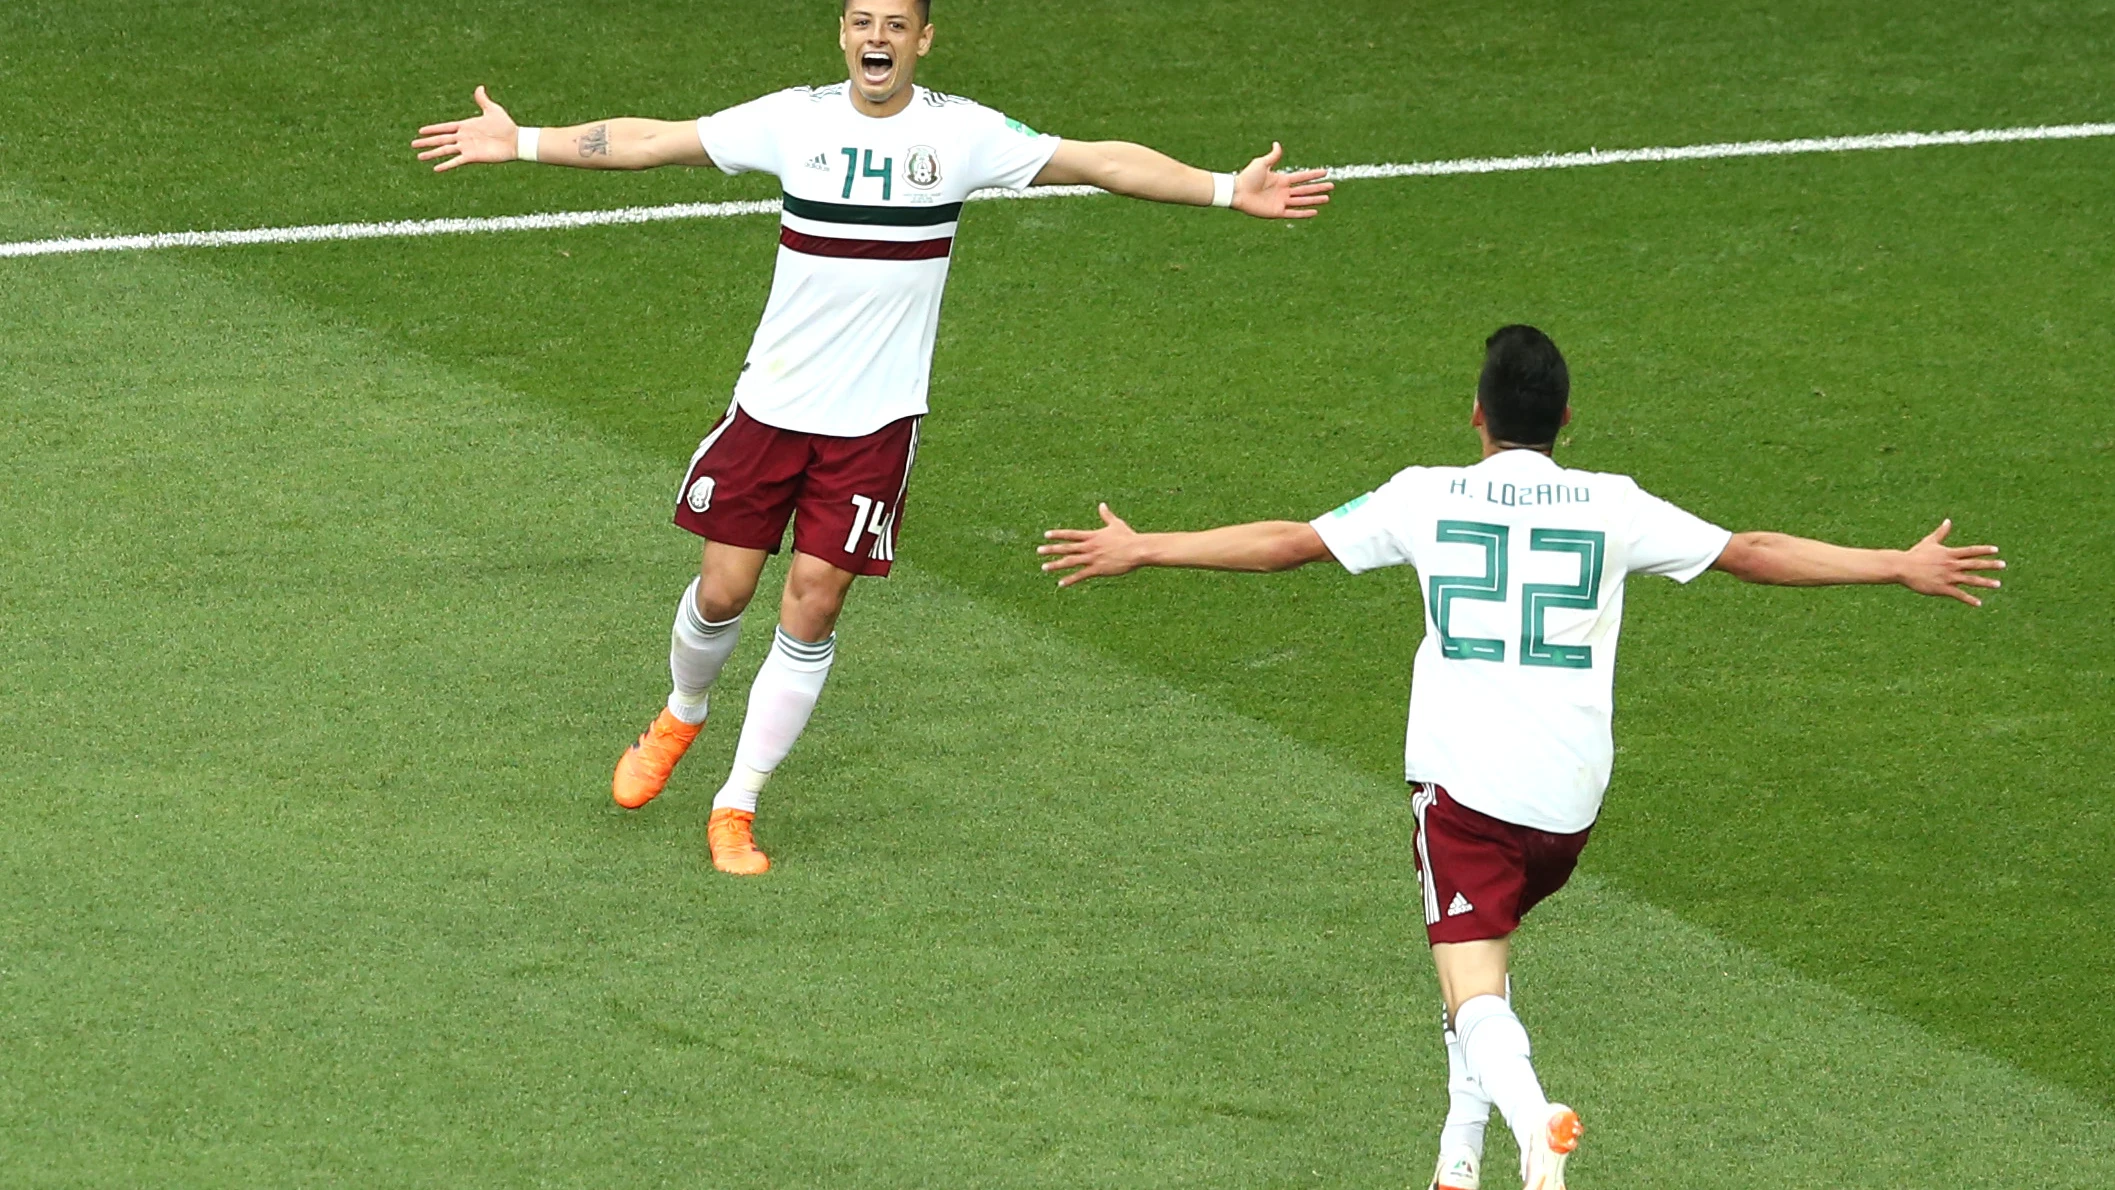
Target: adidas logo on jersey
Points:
x,y
819,161
1459,905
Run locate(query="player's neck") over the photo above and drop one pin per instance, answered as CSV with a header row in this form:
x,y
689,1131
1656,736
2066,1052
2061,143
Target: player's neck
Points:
x,y
1492,446
882,111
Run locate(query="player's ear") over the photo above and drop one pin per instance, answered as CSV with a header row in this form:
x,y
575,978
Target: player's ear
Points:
x,y
1567,418
1476,413
925,40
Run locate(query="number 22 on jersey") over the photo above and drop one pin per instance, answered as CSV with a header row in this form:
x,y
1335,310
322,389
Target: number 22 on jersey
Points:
x,y
1537,598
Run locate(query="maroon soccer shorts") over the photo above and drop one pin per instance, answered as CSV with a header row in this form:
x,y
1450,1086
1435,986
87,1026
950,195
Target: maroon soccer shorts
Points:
x,y
1481,875
843,495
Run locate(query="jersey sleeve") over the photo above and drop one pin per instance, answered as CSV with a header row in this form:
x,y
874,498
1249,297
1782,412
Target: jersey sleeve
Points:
x,y
1005,152
744,137
1667,540
1372,531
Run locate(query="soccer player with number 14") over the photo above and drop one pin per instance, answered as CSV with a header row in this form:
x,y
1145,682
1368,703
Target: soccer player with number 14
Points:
x,y
823,427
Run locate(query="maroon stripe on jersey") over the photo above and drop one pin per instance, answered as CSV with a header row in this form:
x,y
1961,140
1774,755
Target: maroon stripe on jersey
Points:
x,y
801,241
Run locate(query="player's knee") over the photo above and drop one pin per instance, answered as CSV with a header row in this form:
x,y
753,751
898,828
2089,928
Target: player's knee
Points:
x,y
811,614
810,608
719,602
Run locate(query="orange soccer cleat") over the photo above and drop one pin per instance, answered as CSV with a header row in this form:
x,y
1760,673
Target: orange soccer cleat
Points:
x,y
733,846
643,770
1545,1159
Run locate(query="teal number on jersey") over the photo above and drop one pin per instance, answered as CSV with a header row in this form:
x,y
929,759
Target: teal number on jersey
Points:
x,y
1490,585
1537,598
1584,595
886,173
855,170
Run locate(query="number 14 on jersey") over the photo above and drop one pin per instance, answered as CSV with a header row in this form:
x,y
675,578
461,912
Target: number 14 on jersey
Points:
x,y
855,170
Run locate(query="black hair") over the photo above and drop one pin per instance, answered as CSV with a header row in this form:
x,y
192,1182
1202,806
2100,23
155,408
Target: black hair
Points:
x,y
1524,387
925,10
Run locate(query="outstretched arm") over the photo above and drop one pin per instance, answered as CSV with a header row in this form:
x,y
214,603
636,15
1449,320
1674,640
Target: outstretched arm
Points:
x,y
492,137
1139,172
1116,548
1930,567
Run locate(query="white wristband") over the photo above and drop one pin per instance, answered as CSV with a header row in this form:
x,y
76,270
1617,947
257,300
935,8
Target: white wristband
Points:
x,y
525,143
1222,190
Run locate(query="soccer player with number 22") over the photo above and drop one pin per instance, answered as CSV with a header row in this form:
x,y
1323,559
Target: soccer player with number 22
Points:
x,y
1512,694
823,428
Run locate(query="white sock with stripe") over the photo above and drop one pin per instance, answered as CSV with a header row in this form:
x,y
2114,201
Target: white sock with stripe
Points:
x,y
1494,1045
698,649
1468,1108
780,701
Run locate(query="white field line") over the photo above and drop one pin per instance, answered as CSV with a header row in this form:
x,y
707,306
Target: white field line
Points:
x,y
727,210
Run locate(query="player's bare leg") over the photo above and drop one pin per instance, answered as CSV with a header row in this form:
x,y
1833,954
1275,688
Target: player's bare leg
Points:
x,y
1472,977
708,625
780,702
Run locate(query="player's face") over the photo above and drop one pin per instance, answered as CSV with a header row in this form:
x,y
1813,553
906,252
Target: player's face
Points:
x,y
883,40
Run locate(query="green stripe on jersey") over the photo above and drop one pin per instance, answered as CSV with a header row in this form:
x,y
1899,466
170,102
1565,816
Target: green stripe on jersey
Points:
x,y
844,212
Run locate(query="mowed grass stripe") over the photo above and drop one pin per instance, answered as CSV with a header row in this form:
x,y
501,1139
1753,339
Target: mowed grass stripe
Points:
x,y
319,655
568,220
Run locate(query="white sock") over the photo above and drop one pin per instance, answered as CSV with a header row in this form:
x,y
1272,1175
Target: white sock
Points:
x,y
1495,1047
697,649
1468,1108
780,702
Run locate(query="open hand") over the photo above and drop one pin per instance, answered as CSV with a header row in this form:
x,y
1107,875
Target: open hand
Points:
x,y
487,139
1931,567
1093,553
1282,195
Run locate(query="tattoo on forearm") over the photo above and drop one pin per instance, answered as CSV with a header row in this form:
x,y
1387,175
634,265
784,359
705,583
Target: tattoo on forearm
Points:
x,y
596,143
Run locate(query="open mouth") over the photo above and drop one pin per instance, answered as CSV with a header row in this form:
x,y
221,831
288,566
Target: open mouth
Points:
x,y
876,65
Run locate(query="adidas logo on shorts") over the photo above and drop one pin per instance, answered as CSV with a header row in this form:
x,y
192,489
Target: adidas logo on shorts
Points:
x,y
819,161
1459,905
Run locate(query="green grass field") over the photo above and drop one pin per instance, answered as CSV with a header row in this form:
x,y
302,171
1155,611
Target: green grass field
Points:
x,y
334,577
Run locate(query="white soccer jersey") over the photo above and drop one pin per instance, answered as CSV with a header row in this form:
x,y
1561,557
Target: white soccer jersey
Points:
x,y
1522,563
846,343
